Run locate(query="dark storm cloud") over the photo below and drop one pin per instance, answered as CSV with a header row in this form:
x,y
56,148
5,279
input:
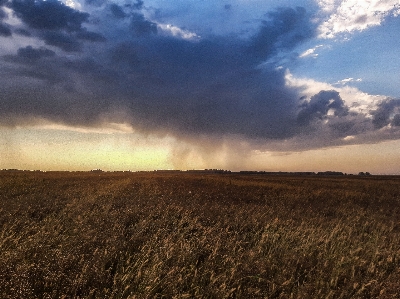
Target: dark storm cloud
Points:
x,y
319,106
217,85
36,63
30,54
55,23
50,15
141,26
90,36
5,30
384,115
63,41
22,32
396,120
125,55
138,4
284,29
95,2
117,11
2,14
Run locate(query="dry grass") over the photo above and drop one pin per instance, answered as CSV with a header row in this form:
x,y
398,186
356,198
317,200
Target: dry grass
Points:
x,y
127,235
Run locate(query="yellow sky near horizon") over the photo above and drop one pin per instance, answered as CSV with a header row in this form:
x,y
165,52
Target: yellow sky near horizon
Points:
x,y
61,149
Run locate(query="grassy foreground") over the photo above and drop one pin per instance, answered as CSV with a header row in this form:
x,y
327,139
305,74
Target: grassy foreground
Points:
x,y
148,235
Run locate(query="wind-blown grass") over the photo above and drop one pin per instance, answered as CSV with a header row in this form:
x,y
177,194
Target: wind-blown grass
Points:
x,y
152,235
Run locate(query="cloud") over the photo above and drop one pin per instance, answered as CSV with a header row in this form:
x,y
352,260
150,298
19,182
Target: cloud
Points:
x,y
32,55
168,83
117,11
90,36
3,14
310,52
141,27
62,41
348,80
387,113
356,118
358,102
350,15
55,23
115,64
5,30
320,106
178,32
285,29
48,15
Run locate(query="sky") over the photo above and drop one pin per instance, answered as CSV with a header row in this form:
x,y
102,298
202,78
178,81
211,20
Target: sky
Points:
x,y
279,85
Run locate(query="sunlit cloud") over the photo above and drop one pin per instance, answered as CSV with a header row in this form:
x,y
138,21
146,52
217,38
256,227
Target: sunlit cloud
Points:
x,y
351,15
348,80
357,100
178,32
310,52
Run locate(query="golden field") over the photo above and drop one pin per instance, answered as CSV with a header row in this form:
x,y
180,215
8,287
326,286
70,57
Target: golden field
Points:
x,y
182,235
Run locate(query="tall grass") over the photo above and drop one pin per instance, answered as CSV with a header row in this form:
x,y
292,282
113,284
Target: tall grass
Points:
x,y
138,235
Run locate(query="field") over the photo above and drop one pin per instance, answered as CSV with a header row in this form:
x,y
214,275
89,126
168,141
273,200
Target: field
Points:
x,y
165,235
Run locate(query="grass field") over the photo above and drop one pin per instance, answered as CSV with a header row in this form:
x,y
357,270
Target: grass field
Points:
x,y
160,235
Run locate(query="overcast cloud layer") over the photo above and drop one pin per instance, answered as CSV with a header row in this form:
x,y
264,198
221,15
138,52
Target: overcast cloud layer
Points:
x,y
160,71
